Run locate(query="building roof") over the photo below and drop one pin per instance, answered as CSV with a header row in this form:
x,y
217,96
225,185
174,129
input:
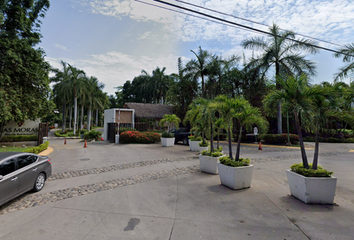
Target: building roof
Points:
x,y
148,110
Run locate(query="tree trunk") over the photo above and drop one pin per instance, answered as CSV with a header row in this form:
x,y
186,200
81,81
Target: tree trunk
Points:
x,y
96,117
89,118
230,145
317,149
70,116
280,124
237,158
301,141
218,138
82,117
64,118
75,114
211,137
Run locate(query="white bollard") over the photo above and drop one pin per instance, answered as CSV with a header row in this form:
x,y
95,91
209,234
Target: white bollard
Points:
x,y
45,139
117,139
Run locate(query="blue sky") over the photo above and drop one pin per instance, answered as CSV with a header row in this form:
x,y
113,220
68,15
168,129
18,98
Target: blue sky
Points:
x,y
114,40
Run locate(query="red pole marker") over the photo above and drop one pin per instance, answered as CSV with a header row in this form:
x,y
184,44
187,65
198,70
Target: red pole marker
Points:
x,y
260,145
85,146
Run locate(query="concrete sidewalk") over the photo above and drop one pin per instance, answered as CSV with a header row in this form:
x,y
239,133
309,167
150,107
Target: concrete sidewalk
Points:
x,y
135,191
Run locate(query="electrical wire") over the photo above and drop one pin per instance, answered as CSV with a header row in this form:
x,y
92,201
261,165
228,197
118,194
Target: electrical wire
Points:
x,y
244,19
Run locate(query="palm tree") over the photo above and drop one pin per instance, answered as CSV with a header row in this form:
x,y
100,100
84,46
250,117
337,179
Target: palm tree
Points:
x,y
347,53
281,51
199,67
298,96
170,119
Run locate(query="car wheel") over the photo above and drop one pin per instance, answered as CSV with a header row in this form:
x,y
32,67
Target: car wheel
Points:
x,y
185,141
39,183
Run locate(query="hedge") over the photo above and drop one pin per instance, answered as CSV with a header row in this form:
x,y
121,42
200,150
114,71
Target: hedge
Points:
x,y
38,149
93,135
19,138
139,137
280,138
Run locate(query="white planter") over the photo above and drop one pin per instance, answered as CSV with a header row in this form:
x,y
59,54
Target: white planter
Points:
x,y
202,149
168,142
235,177
194,145
315,190
209,164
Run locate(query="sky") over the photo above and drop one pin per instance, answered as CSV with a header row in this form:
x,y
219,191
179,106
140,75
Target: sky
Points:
x,y
114,40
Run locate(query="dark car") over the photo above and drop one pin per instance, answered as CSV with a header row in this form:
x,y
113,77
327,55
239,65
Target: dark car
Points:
x,y
181,134
21,172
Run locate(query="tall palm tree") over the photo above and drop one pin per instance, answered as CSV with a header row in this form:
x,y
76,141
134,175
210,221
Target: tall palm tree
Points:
x,y
347,53
161,84
282,53
298,96
199,67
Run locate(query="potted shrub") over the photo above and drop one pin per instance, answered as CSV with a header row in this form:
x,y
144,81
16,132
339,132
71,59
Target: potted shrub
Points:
x,y
194,142
168,138
208,161
307,182
236,173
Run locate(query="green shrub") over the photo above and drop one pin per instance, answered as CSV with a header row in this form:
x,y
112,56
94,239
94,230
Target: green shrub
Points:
x,y
349,140
280,138
232,163
139,137
83,131
38,149
203,144
167,135
124,129
194,138
335,140
92,135
59,133
214,154
320,172
19,138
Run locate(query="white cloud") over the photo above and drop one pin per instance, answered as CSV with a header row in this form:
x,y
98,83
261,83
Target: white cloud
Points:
x,y
60,47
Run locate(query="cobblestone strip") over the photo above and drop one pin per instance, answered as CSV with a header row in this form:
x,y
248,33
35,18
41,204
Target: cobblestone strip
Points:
x,y
83,172
40,199
278,158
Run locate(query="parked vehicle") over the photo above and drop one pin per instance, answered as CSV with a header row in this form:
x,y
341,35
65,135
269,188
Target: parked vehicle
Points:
x,y
21,172
181,134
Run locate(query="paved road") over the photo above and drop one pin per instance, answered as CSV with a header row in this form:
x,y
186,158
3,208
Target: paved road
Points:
x,y
136,191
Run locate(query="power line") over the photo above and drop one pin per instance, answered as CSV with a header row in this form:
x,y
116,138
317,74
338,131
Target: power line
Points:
x,y
244,19
247,27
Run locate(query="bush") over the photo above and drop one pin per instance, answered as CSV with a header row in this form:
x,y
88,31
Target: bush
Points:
x,y
138,137
232,163
83,131
335,140
203,144
59,133
194,138
320,172
38,149
214,154
19,138
124,129
167,135
349,140
280,138
92,135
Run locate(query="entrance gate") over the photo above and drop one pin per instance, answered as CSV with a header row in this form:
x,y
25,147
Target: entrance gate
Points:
x,y
43,132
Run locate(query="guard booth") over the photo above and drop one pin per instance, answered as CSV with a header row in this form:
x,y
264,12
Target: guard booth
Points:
x,y
115,118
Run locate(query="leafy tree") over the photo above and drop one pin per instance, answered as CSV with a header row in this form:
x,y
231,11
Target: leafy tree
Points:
x,y
24,81
282,53
170,119
347,53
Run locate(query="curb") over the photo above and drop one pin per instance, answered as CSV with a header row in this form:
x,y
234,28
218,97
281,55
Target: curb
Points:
x,y
46,152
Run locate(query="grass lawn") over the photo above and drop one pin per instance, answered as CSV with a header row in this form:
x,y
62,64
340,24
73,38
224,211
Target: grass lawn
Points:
x,y
14,149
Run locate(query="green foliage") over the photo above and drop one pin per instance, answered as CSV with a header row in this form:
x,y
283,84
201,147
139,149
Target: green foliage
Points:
x,y
204,144
232,163
349,140
59,133
280,138
93,135
19,138
24,81
218,149
309,172
214,154
169,119
38,149
167,135
194,138
83,131
139,137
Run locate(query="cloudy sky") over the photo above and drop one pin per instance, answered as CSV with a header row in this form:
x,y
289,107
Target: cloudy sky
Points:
x,y
115,39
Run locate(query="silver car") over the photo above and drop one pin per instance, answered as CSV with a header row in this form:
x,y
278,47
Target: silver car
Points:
x,y
21,172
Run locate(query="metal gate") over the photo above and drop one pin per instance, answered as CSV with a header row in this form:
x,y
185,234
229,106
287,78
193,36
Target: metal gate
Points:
x,y
111,133
42,132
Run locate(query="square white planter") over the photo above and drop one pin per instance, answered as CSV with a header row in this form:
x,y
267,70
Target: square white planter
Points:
x,y
315,190
168,142
194,145
209,164
235,177
202,149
